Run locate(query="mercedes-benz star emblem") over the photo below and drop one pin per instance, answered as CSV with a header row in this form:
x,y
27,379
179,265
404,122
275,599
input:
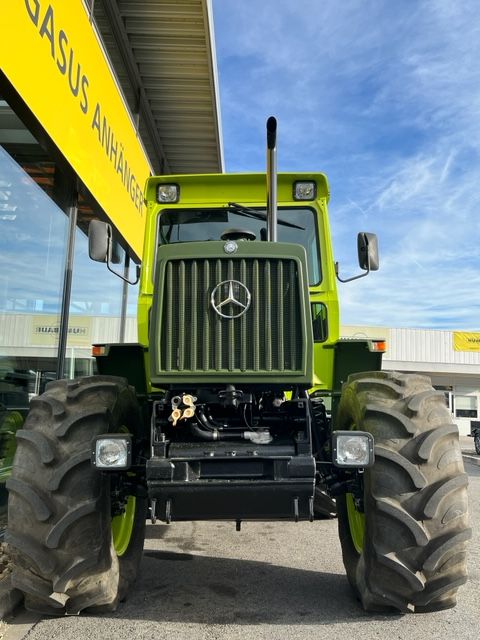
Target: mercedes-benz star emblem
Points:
x,y
230,247
230,299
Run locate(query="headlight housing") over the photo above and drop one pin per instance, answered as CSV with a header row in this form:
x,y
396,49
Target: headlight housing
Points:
x,y
353,449
112,451
304,190
168,193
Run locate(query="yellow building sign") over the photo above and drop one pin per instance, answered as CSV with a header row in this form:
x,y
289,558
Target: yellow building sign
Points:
x,y
45,330
463,341
52,56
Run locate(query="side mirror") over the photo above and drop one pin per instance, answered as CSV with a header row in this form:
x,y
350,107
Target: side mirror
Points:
x,y
99,240
367,245
102,248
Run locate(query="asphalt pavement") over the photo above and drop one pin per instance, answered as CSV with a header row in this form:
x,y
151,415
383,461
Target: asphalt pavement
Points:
x,y
270,581
468,450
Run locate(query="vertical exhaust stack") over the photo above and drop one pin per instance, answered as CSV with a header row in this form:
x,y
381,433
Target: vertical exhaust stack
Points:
x,y
272,179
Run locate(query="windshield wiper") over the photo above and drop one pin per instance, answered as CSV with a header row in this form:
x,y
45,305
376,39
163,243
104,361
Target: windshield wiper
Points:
x,y
253,213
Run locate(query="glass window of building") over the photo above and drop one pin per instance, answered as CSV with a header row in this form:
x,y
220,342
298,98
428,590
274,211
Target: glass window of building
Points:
x,y
33,231
466,407
102,306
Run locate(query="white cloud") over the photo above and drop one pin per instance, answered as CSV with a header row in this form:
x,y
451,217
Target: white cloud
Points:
x,y
385,98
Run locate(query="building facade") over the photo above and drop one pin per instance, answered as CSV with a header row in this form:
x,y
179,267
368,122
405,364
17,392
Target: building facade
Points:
x,y
450,358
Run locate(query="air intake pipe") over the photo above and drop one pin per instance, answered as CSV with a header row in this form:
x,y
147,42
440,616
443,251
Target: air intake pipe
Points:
x,y
272,179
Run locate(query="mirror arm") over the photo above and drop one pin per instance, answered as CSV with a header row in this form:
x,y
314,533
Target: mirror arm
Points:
x,y
132,282
362,275
107,259
122,277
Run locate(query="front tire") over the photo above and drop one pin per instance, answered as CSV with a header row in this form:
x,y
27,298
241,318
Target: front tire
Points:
x,y
68,556
405,549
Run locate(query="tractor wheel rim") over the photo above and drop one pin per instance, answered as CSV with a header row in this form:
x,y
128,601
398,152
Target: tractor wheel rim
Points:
x,y
122,527
356,521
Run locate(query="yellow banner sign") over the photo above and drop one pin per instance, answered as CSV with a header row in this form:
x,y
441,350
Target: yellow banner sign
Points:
x,y
466,341
52,56
45,330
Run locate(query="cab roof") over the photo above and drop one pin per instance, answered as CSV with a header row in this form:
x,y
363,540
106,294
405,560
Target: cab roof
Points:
x,y
246,188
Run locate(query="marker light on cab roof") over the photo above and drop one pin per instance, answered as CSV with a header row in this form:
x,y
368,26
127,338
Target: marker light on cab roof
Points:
x,y
304,190
168,193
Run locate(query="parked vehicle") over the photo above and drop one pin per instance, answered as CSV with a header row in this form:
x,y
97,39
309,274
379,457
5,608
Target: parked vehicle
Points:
x,y
476,437
218,413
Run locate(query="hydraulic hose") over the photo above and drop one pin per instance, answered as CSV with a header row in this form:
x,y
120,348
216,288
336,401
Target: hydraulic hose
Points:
x,y
211,435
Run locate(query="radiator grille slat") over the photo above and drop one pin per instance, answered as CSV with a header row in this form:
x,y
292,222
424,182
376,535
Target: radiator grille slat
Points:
x,y
268,317
256,319
218,325
291,319
169,317
279,318
243,324
204,347
181,319
267,338
194,320
231,329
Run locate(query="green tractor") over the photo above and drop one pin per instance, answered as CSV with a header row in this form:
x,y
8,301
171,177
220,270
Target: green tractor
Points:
x,y
240,402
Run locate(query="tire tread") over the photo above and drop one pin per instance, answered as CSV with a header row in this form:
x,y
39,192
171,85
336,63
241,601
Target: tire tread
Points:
x,y
417,485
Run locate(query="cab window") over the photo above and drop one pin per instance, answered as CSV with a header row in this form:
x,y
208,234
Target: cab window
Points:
x,y
296,225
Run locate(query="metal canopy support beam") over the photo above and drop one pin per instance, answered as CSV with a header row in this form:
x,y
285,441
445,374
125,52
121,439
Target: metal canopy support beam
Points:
x,y
118,30
72,211
212,59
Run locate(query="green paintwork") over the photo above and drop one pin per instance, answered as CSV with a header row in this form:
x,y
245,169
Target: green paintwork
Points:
x,y
172,311
122,527
217,190
356,522
333,359
245,188
351,356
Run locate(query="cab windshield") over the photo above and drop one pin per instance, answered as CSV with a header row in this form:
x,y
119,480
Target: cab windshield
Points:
x,y
295,225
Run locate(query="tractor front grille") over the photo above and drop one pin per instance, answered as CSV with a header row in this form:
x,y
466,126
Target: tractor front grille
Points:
x,y
268,337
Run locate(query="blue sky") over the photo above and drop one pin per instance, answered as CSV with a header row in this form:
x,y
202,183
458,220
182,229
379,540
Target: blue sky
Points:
x,y
384,97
